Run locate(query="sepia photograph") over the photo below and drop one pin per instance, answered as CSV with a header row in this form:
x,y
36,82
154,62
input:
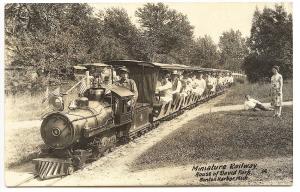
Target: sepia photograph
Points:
x,y
148,94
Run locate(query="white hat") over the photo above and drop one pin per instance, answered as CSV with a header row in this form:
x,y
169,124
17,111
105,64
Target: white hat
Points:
x,y
175,72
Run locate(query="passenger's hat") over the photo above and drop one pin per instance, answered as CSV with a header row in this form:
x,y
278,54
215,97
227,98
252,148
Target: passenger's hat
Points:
x,y
175,72
276,67
124,69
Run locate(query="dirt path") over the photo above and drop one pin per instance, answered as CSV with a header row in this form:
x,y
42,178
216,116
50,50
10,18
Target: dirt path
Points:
x,y
114,168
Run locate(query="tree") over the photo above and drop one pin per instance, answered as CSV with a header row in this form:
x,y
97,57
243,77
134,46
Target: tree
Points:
x,y
118,25
47,35
165,29
233,50
58,35
271,43
55,36
204,53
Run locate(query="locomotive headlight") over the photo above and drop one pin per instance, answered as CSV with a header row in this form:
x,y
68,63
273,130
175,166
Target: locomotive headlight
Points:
x,y
57,103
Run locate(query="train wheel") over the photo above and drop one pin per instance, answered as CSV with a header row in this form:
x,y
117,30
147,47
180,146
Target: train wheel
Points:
x,y
124,140
70,170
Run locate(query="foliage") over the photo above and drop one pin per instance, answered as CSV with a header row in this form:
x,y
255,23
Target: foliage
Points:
x,y
271,43
51,38
233,50
118,26
204,53
166,31
46,34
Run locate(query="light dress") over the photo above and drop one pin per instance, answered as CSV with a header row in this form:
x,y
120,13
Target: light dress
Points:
x,y
276,90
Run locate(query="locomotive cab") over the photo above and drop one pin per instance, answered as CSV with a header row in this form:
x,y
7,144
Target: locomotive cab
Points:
x,y
122,108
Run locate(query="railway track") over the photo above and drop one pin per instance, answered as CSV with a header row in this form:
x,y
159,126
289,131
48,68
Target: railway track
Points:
x,y
34,180
30,178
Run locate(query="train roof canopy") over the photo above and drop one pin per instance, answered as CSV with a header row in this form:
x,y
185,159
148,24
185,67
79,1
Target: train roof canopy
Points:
x,y
94,65
129,63
209,69
79,67
162,66
132,63
121,91
171,66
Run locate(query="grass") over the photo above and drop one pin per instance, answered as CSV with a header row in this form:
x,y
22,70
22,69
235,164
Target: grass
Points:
x,y
223,136
24,107
27,107
21,145
259,91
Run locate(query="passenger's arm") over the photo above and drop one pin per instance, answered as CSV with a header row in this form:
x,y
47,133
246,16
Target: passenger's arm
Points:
x,y
164,87
177,90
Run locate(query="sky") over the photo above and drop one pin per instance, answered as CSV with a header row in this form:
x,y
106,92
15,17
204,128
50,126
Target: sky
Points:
x,y
207,18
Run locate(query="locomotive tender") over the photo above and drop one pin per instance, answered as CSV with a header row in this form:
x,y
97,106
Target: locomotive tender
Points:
x,y
102,118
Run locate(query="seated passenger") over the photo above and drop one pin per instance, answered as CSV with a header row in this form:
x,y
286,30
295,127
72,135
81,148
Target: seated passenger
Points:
x,y
202,84
116,78
231,80
188,87
183,83
219,85
220,80
165,90
194,84
225,79
128,83
176,85
209,82
214,82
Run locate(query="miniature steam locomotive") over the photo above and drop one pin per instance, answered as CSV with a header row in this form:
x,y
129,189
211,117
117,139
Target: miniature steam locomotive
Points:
x,y
102,117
